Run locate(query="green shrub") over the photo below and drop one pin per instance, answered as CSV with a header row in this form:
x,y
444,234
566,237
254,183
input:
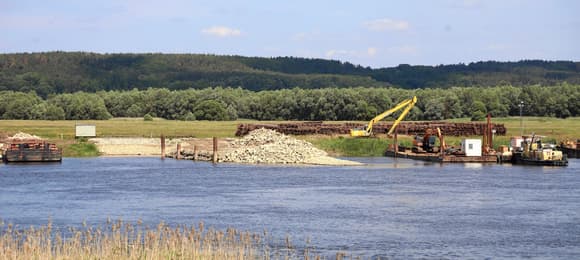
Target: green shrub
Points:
x,y
81,149
478,116
210,110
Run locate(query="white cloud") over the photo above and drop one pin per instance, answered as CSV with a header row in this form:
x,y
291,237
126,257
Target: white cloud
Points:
x,y
299,36
337,53
221,31
30,22
470,3
466,4
369,52
386,24
404,50
159,9
497,47
306,36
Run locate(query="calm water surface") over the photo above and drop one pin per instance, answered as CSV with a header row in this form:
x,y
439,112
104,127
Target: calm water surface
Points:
x,y
388,208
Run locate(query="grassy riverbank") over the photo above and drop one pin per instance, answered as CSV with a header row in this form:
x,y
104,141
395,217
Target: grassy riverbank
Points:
x,y
81,149
62,132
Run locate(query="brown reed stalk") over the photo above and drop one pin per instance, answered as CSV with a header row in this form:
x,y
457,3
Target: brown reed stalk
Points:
x,y
121,240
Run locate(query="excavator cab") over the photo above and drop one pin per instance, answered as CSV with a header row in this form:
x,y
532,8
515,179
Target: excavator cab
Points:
x,y
429,144
426,143
359,132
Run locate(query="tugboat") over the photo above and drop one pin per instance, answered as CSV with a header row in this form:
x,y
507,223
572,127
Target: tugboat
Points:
x,y
534,152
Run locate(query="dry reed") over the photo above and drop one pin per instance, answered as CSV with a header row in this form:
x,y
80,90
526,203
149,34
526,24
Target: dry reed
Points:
x,y
121,240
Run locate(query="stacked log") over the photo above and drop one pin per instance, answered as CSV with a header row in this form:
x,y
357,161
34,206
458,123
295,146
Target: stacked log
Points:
x,y
408,128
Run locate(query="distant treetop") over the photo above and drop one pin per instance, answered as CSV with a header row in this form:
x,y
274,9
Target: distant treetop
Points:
x,y
67,72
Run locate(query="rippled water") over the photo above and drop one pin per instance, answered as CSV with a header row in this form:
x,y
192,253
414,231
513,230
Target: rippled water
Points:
x,y
389,208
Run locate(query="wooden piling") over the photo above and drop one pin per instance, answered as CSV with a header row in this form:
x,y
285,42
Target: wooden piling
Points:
x,y
215,150
396,143
178,155
162,146
195,152
442,146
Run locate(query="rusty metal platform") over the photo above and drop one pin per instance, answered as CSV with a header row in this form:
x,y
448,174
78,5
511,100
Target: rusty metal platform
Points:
x,y
436,157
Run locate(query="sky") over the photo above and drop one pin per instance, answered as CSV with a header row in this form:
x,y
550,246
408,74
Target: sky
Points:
x,y
381,33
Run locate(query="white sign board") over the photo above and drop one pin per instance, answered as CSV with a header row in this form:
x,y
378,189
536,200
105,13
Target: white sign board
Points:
x,y
85,131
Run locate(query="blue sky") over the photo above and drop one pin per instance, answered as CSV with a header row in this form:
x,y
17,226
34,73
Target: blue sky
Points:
x,y
370,33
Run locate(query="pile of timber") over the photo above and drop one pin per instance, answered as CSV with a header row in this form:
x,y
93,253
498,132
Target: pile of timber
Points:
x,y
407,128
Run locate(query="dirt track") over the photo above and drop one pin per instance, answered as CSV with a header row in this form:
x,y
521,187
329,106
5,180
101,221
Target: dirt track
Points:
x,y
113,146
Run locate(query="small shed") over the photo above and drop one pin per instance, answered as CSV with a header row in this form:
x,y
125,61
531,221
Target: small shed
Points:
x,y
85,130
471,147
516,142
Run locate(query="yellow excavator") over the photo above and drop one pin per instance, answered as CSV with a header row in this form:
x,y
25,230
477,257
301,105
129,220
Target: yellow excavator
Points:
x,y
368,130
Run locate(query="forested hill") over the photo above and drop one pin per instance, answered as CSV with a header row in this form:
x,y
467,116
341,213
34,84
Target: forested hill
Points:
x,y
65,72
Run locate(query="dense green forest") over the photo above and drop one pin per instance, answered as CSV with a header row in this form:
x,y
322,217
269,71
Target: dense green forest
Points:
x,y
70,72
294,104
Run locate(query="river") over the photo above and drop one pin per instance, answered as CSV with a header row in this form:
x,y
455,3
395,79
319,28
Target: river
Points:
x,y
394,208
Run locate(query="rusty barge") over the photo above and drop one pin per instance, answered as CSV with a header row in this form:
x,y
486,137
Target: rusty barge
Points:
x,y
425,148
31,151
570,148
445,158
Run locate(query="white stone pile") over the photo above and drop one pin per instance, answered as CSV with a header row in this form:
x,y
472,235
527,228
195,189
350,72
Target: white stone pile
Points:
x,y
24,136
270,147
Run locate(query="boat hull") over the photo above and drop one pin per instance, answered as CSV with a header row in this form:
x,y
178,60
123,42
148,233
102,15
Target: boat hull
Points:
x,y
517,158
571,152
432,157
15,156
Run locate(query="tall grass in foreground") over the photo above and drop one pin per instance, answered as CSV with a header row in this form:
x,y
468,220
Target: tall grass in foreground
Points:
x,y
121,240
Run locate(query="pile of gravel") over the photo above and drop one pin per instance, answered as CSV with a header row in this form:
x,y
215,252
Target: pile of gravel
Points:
x,y
270,147
23,136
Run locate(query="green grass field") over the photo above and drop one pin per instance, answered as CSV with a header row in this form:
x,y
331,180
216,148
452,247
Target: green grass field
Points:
x,y
62,132
122,128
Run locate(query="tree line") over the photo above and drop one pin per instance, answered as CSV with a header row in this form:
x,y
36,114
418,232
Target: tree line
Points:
x,y
293,104
70,72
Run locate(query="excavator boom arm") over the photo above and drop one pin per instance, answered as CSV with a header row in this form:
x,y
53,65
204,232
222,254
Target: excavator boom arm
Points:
x,y
407,102
410,104
368,130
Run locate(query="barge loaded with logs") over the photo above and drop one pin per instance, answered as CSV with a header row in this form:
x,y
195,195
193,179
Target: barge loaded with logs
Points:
x,y
28,148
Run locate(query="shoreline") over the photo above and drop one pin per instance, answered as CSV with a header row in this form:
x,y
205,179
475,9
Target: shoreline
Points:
x,y
314,161
203,147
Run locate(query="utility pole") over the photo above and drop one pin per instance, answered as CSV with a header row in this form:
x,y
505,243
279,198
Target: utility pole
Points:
x,y
521,105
